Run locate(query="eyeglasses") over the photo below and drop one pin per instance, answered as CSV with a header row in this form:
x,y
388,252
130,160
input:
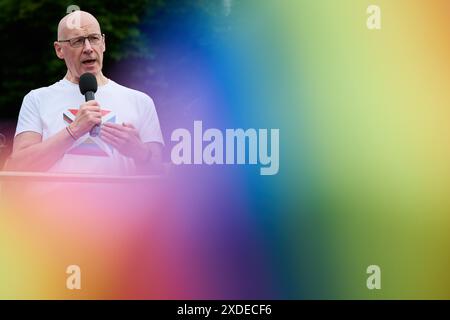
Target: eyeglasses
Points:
x,y
94,39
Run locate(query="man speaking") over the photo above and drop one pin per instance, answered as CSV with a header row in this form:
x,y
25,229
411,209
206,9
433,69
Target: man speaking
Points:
x,y
116,133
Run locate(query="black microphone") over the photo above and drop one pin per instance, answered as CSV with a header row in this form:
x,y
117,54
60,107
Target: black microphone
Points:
x,y
88,88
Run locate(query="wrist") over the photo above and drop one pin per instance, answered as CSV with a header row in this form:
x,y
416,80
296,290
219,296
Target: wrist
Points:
x,y
75,131
71,133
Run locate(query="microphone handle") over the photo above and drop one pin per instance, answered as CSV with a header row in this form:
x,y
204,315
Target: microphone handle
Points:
x,y
95,129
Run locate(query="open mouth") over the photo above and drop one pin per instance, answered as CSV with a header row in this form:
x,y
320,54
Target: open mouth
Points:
x,y
88,62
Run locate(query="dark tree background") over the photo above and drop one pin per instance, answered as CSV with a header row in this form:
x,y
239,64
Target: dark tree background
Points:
x,y
136,34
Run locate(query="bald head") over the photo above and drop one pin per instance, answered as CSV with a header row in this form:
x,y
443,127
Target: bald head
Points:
x,y
77,23
87,57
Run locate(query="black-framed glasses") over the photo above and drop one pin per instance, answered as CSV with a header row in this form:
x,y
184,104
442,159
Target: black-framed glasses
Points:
x,y
94,39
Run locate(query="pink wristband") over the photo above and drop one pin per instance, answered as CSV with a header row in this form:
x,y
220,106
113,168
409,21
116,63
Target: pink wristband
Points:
x,y
71,133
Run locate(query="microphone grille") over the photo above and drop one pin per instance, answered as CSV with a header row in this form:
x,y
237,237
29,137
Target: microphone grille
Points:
x,y
88,82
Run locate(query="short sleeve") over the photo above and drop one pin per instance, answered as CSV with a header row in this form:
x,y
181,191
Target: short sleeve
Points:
x,y
29,118
150,130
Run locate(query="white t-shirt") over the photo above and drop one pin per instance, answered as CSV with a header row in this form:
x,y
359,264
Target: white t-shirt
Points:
x,y
48,110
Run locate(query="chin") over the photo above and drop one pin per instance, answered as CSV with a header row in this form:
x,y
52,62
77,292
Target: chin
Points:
x,y
94,71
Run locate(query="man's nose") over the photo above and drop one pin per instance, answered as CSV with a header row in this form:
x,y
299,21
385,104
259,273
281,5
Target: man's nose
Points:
x,y
87,46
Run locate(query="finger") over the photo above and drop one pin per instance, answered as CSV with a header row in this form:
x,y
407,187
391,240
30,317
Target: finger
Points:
x,y
123,129
116,126
113,141
91,103
112,130
107,138
92,108
87,110
117,130
112,137
128,125
97,114
133,130
94,118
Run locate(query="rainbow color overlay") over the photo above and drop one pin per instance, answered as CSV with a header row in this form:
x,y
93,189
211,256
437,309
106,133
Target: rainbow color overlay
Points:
x,y
364,179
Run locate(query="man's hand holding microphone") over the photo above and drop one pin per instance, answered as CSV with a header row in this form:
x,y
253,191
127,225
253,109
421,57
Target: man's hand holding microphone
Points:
x,y
88,117
125,138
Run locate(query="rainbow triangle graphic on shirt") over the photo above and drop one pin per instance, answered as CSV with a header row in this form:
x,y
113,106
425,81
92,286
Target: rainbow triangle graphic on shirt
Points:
x,y
87,145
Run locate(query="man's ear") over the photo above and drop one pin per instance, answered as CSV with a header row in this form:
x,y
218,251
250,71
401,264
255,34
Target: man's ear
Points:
x,y
58,50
